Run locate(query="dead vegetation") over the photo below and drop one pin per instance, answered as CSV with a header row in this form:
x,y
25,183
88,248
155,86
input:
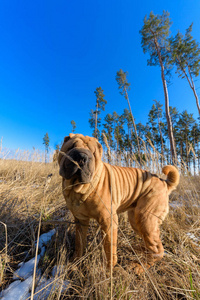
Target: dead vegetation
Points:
x,y
30,189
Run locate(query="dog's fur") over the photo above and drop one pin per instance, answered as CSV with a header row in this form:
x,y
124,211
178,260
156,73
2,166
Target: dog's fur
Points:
x,y
89,185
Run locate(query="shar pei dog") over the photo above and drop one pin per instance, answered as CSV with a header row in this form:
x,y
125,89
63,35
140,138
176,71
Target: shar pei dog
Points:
x,y
92,188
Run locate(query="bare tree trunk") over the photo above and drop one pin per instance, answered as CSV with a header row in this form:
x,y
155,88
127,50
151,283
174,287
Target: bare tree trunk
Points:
x,y
162,146
135,129
169,122
168,117
187,154
191,83
198,158
196,97
96,114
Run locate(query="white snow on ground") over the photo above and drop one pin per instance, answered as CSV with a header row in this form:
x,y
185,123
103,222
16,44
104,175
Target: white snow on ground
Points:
x,y
45,237
46,286
194,238
26,269
17,290
175,204
20,290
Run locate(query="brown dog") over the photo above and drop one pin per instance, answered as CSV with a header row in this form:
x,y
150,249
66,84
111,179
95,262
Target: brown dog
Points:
x,y
89,185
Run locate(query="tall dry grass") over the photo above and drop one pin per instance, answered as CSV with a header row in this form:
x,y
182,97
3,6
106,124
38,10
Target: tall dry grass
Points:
x,y
27,192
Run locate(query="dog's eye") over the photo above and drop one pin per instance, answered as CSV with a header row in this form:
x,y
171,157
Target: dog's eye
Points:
x,y
70,148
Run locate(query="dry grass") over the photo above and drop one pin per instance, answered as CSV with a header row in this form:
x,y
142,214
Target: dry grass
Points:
x,y
26,191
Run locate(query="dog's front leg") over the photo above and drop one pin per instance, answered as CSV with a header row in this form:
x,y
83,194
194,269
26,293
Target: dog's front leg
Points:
x,y
81,237
109,228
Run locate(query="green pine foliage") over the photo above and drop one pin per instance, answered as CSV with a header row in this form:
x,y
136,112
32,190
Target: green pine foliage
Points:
x,y
153,137
173,136
185,56
46,141
155,42
73,123
95,120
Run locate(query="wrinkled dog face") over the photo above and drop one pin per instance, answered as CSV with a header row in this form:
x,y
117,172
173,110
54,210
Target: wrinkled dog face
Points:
x,y
77,158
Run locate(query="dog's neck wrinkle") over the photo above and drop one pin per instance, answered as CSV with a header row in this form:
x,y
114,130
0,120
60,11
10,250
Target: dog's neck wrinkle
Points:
x,y
93,184
85,189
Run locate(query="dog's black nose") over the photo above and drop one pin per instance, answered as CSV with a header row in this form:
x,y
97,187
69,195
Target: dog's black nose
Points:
x,y
80,157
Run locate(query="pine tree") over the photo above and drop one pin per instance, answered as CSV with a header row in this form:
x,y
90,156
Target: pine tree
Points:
x,y
128,139
152,122
124,86
46,144
155,32
92,122
185,55
159,113
108,129
195,139
184,127
100,106
119,133
73,123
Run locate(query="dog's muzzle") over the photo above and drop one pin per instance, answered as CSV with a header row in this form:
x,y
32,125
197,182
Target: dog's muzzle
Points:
x,y
77,163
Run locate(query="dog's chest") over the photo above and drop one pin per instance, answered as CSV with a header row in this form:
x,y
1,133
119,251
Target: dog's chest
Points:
x,y
74,202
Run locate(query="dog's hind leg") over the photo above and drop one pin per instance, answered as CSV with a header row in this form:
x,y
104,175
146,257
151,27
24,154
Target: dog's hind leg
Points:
x,y
131,218
147,225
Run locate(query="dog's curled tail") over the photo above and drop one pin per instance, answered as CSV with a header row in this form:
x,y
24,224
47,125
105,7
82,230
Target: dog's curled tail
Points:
x,y
172,176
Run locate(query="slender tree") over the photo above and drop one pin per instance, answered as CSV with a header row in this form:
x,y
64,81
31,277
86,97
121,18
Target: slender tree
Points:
x,y
184,129
100,105
155,33
152,122
195,137
95,120
185,55
73,123
128,120
108,129
159,114
57,147
46,145
124,86
92,121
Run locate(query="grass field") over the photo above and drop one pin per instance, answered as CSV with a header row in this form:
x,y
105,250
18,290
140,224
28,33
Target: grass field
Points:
x,y
28,195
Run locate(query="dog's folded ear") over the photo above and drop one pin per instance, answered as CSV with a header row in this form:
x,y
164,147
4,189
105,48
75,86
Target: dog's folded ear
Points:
x,y
99,153
67,138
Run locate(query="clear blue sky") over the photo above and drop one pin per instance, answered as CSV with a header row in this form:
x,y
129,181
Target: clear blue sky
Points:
x,y
54,54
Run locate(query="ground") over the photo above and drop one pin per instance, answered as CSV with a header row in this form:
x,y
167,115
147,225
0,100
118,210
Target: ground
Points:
x,y
28,195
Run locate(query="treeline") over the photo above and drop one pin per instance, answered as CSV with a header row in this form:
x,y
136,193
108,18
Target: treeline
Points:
x,y
153,137
175,135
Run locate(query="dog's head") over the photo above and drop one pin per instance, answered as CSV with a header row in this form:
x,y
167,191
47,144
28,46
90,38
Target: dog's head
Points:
x,y
79,158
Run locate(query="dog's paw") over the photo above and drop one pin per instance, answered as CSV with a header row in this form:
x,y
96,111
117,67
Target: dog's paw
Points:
x,y
139,269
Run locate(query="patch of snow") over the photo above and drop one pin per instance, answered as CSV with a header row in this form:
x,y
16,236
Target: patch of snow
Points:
x,y
18,290
46,237
188,191
11,286
175,204
58,270
192,236
46,286
26,268
42,251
